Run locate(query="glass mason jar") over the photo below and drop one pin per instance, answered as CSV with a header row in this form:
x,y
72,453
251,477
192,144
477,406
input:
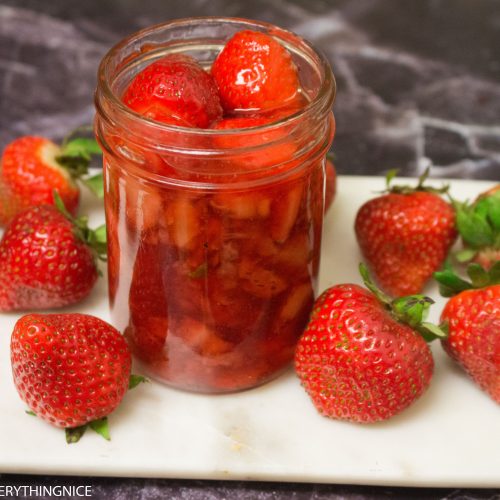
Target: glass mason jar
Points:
x,y
213,235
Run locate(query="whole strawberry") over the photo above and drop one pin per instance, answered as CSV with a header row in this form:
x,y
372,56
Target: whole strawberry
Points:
x,y
405,235
254,71
479,226
472,320
47,259
363,356
33,168
70,369
177,90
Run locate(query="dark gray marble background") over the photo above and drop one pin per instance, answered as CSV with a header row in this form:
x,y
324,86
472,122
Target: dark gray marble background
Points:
x,y
418,81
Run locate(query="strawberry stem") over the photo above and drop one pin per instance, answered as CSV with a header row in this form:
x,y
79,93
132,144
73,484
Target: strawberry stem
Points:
x,y
95,239
101,427
411,310
391,174
451,284
479,225
73,434
76,156
370,284
135,380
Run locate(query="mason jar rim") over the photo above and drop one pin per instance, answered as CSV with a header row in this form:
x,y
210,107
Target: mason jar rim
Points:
x,y
326,93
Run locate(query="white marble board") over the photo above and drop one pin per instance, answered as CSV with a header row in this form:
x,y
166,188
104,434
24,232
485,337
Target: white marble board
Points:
x,y
450,437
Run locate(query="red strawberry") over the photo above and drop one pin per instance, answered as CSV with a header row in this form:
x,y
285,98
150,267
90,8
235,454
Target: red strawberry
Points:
x,y
46,260
472,320
405,236
177,90
254,71
331,184
362,356
32,168
479,226
70,369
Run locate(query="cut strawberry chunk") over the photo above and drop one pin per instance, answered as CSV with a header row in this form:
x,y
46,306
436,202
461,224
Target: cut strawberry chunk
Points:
x,y
243,205
285,209
201,338
184,221
300,299
143,205
259,281
295,254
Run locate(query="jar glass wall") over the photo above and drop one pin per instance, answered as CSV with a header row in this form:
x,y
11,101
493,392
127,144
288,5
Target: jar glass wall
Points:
x,y
213,235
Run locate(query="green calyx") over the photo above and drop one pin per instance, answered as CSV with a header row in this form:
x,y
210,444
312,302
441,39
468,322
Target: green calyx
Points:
x,y
135,380
479,225
411,310
391,174
451,284
100,426
76,155
95,239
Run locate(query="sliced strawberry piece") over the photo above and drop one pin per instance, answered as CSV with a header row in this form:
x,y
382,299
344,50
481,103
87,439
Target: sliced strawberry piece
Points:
x,y
183,218
253,205
295,254
175,90
254,71
143,205
261,282
201,338
300,299
285,209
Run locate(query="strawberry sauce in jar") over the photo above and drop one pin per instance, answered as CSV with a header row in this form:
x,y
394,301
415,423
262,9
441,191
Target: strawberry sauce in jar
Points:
x,y
213,233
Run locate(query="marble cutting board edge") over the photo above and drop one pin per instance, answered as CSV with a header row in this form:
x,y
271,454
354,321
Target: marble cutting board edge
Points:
x,y
449,438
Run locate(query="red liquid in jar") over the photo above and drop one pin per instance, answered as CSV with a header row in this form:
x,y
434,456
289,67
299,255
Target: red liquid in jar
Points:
x,y
212,278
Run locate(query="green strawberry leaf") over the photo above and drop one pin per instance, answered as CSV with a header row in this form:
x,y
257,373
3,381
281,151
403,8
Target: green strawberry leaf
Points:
x,y
431,332
474,228
30,412
413,309
74,434
449,283
81,147
95,239
101,427
478,276
135,380
465,255
494,273
389,176
95,183
494,210
75,157
421,186
370,284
